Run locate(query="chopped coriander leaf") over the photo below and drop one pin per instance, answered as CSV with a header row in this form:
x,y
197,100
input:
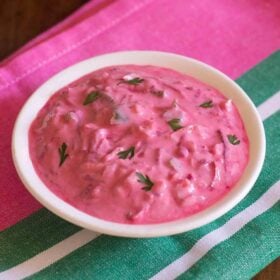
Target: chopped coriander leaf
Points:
x,y
134,81
175,124
208,104
129,153
158,93
91,97
117,116
62,153
233,139
145,180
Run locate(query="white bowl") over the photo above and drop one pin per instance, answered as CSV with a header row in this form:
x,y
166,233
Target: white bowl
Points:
x,y
199,70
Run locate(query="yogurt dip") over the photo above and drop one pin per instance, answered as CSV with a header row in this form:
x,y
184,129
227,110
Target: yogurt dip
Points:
x,y
139,144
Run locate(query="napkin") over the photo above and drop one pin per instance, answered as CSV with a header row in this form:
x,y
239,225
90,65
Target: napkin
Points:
x,y
241,38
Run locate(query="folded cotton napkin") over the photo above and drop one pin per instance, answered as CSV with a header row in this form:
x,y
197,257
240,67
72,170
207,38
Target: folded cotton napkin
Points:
x,y
233,36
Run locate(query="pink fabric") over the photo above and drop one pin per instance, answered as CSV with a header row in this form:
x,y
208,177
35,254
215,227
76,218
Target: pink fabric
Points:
x,y
231,35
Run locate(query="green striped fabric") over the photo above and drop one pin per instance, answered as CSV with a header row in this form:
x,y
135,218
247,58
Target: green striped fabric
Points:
x,y
236,250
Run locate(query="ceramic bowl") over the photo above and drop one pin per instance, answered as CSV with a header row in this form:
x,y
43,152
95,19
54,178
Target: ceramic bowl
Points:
x,y
189,66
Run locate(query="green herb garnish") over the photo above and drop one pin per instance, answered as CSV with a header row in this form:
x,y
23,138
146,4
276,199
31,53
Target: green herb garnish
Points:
x,y
134,81
145,180
158,93
117,116
129,153
62,153
175,124
233,139
91,97
208,104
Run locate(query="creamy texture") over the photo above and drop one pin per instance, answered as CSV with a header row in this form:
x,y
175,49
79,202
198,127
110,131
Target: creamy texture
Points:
x,y
139,144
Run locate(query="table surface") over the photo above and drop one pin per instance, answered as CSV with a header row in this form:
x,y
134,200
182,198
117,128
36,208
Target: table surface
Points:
x,y
20,21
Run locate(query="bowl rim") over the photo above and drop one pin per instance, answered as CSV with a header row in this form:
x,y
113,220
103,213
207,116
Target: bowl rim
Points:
x,y
189,66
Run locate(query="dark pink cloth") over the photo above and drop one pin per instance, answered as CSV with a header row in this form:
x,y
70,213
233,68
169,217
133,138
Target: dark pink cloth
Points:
x,y
231,35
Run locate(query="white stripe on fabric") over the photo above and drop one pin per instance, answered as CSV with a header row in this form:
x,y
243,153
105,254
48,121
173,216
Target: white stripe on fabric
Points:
x,y
270,106
49,256
210,240
70,244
